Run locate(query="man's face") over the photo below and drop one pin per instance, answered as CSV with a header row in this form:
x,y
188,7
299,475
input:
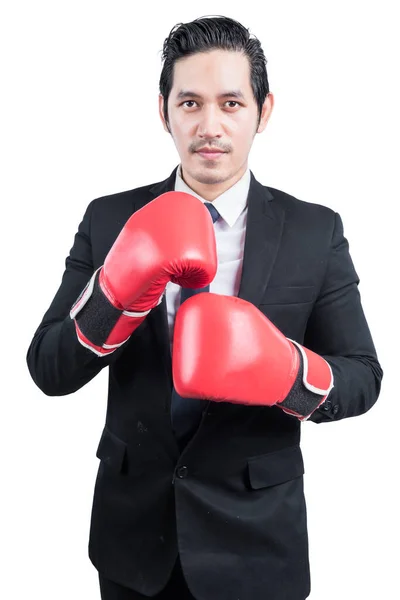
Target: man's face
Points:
x,y
211,106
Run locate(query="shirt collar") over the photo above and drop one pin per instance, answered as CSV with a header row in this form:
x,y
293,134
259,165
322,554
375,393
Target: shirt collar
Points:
x,y
230,204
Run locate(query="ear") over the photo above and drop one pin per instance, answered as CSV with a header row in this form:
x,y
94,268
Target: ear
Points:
x,y
266,112
161,112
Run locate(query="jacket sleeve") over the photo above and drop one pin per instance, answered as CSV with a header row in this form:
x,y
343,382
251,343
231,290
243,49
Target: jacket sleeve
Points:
x,y
57,362
337,330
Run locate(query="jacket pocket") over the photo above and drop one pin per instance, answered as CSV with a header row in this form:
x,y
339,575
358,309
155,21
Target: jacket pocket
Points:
x,y
274,468
112,450
289,295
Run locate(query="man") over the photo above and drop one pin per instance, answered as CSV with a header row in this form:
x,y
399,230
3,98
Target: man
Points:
x,y
199,492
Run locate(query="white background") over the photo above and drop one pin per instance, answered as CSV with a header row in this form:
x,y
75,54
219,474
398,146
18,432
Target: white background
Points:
x,y
79,120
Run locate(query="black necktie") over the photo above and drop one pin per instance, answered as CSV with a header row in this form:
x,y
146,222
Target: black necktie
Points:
x,y
186,412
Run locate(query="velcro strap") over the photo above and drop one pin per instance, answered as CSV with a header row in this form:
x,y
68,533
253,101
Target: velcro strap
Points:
x,y
317,372
100,326
83,296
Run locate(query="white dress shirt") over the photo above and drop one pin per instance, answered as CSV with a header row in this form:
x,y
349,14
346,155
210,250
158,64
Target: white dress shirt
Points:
x,y
230,230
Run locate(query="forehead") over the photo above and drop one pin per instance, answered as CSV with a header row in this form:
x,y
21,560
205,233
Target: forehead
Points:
x,y
212,73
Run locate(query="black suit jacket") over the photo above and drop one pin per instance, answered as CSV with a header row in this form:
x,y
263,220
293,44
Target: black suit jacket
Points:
x,y
232,503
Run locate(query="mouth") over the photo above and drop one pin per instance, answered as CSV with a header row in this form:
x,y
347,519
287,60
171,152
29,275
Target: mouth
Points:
x,y
210,155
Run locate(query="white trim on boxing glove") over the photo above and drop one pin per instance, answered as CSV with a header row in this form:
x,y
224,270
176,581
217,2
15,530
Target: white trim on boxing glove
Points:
x,y
88,291
322,391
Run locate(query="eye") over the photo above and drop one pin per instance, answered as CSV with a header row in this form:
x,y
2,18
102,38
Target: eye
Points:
x,y
232,102
188,102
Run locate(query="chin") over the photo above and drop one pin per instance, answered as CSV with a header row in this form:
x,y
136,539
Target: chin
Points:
x,y
211,174
210,177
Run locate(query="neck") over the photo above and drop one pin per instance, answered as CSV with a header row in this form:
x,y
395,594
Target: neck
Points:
x,y
211,191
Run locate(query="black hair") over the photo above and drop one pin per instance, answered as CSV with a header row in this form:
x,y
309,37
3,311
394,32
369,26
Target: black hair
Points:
x,y
210,33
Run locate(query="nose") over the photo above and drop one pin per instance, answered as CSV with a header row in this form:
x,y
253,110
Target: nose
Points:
x,y
209,125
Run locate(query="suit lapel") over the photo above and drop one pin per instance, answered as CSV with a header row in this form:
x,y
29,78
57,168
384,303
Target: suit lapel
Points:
x,y
159,315
265,219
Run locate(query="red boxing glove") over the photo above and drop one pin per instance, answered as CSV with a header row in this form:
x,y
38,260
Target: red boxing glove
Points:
x,y
169,239
226,350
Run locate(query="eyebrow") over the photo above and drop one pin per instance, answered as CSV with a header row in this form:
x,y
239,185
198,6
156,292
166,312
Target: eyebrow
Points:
x,y
230,94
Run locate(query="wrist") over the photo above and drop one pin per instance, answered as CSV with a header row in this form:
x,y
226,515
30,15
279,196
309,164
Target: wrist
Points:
x,y
313,383
100,326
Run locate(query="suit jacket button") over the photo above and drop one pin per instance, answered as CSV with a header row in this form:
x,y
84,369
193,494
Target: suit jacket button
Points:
x,y
182,472
335,409
327,405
